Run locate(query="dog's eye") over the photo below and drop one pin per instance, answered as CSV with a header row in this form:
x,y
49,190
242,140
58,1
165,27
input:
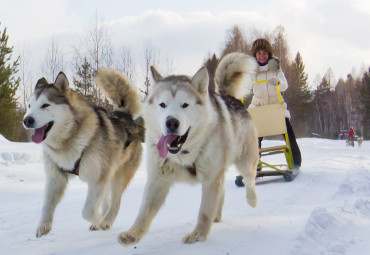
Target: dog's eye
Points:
x,y
45,105
163,105
29,106
184,105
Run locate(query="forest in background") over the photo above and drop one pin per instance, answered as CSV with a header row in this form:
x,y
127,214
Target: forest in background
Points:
x,y
322,108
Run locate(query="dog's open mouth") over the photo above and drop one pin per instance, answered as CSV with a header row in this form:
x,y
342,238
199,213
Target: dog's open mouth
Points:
x,y
39,134
171,143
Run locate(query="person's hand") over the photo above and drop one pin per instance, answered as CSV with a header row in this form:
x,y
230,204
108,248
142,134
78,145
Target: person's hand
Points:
x,y
273,81
274,64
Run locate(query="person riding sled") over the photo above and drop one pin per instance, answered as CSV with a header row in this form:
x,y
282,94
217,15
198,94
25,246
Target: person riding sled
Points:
x,y
263,88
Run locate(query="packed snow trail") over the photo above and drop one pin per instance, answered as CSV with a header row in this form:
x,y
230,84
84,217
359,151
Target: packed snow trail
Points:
x,y
325,210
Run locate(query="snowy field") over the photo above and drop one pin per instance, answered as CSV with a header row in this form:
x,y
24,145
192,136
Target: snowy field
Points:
x,y
325,210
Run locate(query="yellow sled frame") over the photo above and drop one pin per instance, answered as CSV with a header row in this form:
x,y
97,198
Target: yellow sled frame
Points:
x,y
269,121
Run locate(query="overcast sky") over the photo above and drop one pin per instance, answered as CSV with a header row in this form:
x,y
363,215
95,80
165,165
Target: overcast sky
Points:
x,y
332,33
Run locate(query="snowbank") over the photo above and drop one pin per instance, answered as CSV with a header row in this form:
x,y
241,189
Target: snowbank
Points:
x,y
18,153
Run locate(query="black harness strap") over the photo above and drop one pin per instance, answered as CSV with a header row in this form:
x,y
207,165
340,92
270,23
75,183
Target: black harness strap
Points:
x,y
76,168
192,169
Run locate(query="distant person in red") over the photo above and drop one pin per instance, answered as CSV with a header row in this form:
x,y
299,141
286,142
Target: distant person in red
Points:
x,y
351,136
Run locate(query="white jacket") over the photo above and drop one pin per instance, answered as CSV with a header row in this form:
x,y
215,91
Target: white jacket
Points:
x,y
265,93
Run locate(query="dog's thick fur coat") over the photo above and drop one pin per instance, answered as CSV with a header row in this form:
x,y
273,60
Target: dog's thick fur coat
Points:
x,y
193,135
103,148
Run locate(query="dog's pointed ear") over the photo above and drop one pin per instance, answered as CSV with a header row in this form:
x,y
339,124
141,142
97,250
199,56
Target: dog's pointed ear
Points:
x,y
200,80
61,82
41,82
156,76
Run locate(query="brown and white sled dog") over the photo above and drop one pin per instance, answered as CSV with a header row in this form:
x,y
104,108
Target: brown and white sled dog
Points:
x,y
104,149
193,135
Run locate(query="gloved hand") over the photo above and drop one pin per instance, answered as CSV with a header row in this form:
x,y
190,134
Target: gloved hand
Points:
x,y
273,81
274,64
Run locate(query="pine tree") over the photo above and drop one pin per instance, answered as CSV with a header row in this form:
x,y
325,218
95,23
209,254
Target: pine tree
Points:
x,y
8,87
365,104
319,103
211,64
298,95
84,80
326,109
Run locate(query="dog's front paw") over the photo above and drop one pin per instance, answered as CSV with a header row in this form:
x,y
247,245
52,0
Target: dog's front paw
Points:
x,y
218,218
43,229
252,198
94,227
101,226
128,238
193,238
105,226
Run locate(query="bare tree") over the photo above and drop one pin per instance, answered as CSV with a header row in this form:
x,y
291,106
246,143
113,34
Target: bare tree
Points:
x,y
235,41
150,58
53,61
330,78
126,63
252,33
316,81
167,65
26,85
280,45
97,50
98,43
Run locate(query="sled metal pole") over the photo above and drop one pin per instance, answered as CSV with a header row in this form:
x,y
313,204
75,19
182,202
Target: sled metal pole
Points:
x,y
255,82
278,90
273,153
277,87
273,167
261,81
288,153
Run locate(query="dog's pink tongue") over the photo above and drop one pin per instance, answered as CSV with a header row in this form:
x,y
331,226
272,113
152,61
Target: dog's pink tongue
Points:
x,y
38,135
162,144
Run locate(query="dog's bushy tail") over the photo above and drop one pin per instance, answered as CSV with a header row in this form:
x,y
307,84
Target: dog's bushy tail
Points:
x,y
120,92
233,72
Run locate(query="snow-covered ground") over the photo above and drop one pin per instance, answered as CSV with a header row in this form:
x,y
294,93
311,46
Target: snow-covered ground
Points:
x,y
325,210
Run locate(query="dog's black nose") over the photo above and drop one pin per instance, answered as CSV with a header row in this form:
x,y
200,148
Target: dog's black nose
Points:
x,y
28,121
172,124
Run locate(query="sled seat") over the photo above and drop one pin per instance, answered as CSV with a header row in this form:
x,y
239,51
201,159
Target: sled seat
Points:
x,y
270,121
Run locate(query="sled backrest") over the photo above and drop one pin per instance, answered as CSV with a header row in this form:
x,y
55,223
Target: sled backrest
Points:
x,y
269,119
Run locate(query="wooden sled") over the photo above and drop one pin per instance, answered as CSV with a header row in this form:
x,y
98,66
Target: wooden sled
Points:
x,y
270,121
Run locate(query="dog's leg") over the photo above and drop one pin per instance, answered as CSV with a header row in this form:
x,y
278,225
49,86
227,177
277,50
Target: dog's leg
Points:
x,y
211,195
130,163
247,166
90,211
250,184
56,183
155,194
105,201
220,204
119,183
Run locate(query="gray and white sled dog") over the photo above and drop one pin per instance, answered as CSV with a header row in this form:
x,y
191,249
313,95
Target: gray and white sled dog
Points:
x,y
103,148
193,135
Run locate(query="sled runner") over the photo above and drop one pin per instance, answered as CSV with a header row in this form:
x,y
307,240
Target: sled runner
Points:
x,y
269,121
